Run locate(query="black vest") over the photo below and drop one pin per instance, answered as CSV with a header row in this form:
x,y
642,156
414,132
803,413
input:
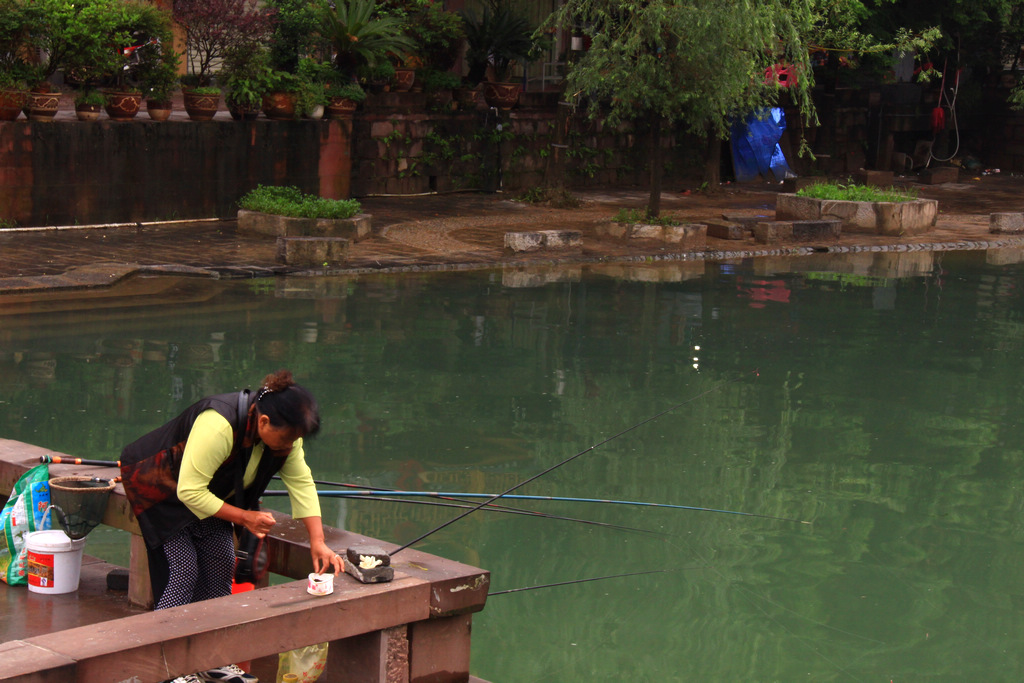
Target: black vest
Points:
x,y
150,467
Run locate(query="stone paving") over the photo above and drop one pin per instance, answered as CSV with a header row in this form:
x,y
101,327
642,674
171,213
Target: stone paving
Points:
x,y
464,231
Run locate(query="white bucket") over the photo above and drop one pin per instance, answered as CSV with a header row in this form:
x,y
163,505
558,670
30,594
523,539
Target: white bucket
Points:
x,y
54,562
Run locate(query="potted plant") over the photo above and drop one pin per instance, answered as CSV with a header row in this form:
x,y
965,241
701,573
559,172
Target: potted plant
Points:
x,y
314,78
211,28
360,39
140,32
438,86
159,78
377,78
15,24
89,102
343,99
281,98
495,43
246,76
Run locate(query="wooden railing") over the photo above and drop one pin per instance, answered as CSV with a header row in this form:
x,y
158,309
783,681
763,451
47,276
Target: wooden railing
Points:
x,y
415,628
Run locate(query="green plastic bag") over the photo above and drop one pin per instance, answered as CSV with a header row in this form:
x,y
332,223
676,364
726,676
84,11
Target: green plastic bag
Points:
x,y
306,662
25,511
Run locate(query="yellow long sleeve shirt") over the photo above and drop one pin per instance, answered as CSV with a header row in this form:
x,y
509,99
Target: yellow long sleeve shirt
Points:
x,y
209,445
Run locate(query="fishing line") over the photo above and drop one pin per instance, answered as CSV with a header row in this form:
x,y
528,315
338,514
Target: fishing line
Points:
x,y
569,583
490,508
452,495
565,462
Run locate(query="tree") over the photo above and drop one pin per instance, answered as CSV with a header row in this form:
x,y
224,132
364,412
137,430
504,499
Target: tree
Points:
x,y
704,62
215,26
698,63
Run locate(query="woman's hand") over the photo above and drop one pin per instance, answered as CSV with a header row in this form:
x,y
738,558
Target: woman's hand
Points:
x,y
324,558
258,522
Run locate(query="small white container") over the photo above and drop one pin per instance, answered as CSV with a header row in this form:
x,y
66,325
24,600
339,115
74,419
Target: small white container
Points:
x,y
54,562
320,584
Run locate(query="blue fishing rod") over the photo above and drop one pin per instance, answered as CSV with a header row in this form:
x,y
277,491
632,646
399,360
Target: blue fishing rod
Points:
x,y
374,493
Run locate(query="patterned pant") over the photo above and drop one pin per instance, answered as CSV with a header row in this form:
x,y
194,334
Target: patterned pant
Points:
x,y
197,563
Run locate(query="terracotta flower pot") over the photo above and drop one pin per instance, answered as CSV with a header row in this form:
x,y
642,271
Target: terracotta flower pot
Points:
x,y
404,78
466,98
42,106
279,106
88,112
123,106
159,111
341,108
11,103
504,96
201,107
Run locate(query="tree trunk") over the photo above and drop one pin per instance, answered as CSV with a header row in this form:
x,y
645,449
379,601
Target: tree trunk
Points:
x,y
657,166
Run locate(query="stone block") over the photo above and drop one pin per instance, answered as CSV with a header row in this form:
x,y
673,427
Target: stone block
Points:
x,y
939,175
518,242
877,178
276,226
613,229
747,222
562,239
312,252
356,228
689,236
769,232
726,230
644,231
1009,223
812,231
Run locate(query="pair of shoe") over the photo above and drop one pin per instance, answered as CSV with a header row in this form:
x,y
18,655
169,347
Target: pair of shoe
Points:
x,y
222,674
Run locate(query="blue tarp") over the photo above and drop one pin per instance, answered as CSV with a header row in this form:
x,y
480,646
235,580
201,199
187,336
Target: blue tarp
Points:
x,y
755,146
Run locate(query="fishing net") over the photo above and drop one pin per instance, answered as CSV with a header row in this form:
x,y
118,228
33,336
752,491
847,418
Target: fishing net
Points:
x,y
80,503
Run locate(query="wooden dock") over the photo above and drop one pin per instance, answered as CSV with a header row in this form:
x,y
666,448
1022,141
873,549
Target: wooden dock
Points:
x,y
414,629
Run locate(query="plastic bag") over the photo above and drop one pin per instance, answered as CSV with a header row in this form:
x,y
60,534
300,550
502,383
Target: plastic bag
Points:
x,y
306,662
24,512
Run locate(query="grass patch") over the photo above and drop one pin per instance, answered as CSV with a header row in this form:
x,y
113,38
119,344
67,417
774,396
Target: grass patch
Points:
x,y
290,201
857,193
638,216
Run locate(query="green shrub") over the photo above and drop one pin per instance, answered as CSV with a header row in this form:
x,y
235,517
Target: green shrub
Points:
x,y
858,193
638,216
290,201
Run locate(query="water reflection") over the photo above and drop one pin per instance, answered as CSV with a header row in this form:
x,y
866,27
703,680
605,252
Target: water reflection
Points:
x,y
875,396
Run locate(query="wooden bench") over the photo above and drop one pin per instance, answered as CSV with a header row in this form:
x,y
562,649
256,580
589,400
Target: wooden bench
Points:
x,y
415,628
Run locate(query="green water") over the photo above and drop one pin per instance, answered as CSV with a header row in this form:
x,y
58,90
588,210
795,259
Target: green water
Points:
x,y
878,397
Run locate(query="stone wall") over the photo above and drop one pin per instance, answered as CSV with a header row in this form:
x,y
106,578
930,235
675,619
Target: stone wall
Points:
x,y
72,172
400,146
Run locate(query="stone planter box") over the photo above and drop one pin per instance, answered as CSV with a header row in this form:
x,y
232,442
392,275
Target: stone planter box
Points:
x,y
254,222
880,218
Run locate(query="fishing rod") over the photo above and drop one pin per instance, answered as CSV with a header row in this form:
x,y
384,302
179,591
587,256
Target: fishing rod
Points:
x,y
565,462
569,583
498,508
62,460
371,493
491,508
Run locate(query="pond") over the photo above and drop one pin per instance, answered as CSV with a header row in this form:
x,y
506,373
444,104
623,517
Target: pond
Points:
x,y
877,397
